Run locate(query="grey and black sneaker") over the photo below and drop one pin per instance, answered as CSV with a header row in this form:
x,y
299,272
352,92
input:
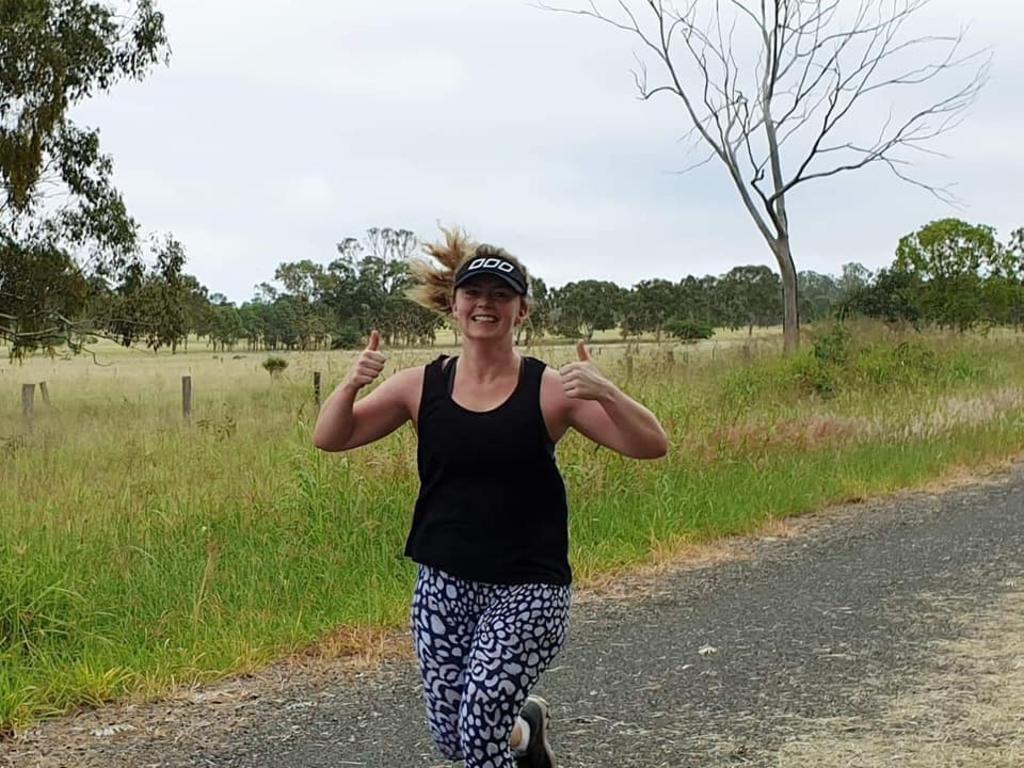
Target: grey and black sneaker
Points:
x,y
537,713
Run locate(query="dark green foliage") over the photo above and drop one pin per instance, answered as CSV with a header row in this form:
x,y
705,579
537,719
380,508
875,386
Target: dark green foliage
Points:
x,y
749,296
53,55
818,295
834,346
274,365
892,297
950,259
158,305
347,337
362,290
41,290
580,308
648,307
689,330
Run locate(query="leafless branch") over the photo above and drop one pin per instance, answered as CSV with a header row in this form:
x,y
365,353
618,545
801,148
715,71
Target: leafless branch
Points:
x,y
815,62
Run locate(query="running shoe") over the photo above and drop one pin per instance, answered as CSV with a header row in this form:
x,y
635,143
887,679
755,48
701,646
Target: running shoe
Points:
x,y
537,713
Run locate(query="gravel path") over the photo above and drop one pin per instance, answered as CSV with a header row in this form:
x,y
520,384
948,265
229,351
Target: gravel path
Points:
x,y
819,628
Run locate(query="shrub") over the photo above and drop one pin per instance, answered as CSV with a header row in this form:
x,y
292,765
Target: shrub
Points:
x,y
688,330
274,365
834,346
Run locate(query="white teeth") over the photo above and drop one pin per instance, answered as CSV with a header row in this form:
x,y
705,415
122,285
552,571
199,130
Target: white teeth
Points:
x,y
484,319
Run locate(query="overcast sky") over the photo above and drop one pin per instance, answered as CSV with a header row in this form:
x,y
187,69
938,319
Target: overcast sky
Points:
x,y
280,128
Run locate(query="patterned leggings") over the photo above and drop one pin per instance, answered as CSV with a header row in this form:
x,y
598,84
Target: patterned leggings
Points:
x,y
481,647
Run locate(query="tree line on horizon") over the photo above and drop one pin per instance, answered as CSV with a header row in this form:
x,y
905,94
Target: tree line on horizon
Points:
x,y
948,274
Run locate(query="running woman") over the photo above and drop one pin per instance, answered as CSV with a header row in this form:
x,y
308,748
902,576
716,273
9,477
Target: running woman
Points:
x,y
490,527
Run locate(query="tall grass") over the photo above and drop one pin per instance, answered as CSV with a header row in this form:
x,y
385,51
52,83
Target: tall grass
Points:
x,y
139,553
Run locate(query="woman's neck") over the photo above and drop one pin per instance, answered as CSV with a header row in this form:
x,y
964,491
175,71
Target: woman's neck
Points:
x,y
488,361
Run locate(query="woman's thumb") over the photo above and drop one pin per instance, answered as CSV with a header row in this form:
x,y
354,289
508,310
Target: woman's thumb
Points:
x,y
582,351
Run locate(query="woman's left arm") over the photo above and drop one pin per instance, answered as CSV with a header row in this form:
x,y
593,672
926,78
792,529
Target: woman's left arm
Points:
x,y
604,413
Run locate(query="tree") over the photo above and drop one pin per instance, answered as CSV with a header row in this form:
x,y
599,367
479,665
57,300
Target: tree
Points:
x,y
580,308
819,294
157,305
649,306
539,320
769,88
226,326
855,277
303,279
951,258
696,299
166,298
893,296
126,311
61,218
749,296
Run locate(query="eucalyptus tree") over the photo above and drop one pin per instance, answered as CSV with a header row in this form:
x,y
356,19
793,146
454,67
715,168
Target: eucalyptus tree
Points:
x,y
579,308
61,218
749,296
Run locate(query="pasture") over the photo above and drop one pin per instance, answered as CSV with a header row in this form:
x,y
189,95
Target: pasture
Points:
x,y
140,552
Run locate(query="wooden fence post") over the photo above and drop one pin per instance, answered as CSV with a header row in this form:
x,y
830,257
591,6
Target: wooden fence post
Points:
x,y
28,396
45,392
316,388
186,397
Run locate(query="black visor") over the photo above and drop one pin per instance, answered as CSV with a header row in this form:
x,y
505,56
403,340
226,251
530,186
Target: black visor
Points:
x,y
495,266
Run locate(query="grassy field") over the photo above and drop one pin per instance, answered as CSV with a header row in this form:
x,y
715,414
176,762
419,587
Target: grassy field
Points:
x,y
139,552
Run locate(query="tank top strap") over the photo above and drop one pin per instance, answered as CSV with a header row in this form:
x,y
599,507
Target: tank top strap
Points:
x,y
434,379
533,374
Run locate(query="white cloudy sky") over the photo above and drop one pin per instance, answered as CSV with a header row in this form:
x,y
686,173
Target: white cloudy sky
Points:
x,y
282,127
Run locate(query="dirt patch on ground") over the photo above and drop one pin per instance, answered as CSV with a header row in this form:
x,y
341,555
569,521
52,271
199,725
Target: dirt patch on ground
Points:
x,y
967,710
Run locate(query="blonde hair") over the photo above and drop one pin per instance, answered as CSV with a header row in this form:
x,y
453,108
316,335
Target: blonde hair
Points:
x,y
434,286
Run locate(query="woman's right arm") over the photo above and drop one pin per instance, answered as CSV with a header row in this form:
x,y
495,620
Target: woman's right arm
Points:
x,y
343,423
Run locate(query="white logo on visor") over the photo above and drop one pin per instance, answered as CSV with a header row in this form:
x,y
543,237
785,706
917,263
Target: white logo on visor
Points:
x,y
491,263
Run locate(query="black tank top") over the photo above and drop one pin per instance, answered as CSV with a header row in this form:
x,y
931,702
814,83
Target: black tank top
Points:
x,y
492,504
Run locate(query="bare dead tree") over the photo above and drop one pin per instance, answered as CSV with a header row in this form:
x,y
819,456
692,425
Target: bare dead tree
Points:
x,y
769,88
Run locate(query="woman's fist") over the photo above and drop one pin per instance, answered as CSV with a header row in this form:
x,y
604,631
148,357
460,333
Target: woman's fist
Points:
x,y
582,380
369,364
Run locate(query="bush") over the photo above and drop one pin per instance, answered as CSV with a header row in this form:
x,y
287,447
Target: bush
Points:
x,y
818,377
274,365
688,330
834,347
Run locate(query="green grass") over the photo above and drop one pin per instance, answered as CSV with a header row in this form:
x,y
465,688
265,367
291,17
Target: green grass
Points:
x,y
138,553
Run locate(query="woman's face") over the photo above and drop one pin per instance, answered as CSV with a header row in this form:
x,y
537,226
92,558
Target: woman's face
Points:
x,y
487,307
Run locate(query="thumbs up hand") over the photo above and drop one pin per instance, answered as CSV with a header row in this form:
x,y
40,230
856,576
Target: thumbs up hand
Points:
x,y
368,365
582,380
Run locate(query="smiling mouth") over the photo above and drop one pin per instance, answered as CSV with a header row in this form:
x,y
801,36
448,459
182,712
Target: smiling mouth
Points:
x,y
484,319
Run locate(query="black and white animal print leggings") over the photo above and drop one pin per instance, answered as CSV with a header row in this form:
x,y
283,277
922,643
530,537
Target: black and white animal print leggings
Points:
x,y
481,648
